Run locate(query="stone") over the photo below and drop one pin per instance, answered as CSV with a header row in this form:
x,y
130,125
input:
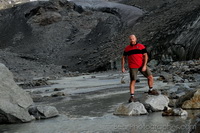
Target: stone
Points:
x,y
183,87
14,101
180,94
129,109
43,112
47,111
172,102
177,79
180,112
174,112
182,99
58,89
157,103
178,90
153,63
47,18
58,94
36,97
125,79
165,77
194,102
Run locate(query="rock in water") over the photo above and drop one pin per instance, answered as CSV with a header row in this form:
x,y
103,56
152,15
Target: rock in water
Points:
x,y
174,112
134,108
194,102
43,112
157,103
14,101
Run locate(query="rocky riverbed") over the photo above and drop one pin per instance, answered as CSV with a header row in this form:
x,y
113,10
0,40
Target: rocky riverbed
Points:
x,y
90,100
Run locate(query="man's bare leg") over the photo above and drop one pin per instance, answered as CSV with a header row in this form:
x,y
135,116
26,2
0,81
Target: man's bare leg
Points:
x,y
150,81
132,90
132,86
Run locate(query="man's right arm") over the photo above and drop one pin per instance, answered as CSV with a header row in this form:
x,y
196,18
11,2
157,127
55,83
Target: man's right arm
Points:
x,y
123,63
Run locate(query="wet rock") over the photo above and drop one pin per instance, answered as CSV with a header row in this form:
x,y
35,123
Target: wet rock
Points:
x,y
174,112
180,94
37,92
184,98
166,77
153,63
183,88
58,89
194,102
34,83
172,102
125,79
178,79
43,112
157,103
58,94
177,91
36,97
14,101
93,77
134,108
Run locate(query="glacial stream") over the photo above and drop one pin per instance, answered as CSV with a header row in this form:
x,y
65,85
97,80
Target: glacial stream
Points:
x,y
89,105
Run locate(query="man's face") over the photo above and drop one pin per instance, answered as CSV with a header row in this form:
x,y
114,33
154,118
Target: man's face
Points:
x,y
133,39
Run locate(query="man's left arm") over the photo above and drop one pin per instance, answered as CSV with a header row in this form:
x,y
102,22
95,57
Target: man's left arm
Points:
x,y
145,59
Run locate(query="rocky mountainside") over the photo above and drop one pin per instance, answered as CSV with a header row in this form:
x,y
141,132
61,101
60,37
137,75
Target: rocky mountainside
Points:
x,y
171,28
59,36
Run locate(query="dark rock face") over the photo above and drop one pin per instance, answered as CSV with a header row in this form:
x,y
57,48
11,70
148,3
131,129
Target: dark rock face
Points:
x,y
170,28
60,33
40,37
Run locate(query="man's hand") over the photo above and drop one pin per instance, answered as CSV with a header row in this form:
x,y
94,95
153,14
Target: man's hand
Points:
x,y
123,70
144,68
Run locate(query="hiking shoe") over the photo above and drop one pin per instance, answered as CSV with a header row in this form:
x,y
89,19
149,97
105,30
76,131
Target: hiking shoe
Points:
x,y
131,99
153,92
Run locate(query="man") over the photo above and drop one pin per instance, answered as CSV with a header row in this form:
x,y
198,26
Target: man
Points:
x,y
137,61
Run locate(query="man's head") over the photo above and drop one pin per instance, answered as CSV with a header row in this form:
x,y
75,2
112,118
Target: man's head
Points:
x,y
133,39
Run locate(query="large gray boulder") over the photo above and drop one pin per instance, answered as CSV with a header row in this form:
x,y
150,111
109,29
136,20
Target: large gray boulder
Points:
x,y
134,108
14,101
156,103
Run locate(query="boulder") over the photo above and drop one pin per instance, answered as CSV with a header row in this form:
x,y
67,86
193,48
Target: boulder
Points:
x,y
182,99
178,79
14,101
156,103
174,112
43,112
194,102
129,109
125,79
166,77
177,91
57,94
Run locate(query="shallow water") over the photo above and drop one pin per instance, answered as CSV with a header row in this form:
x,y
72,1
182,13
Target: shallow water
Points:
x,y
153,122
89,108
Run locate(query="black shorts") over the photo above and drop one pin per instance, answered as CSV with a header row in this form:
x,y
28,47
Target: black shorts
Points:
x,y
134,71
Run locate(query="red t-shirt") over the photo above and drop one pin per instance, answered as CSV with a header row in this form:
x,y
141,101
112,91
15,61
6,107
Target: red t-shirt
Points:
x,y
135,55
